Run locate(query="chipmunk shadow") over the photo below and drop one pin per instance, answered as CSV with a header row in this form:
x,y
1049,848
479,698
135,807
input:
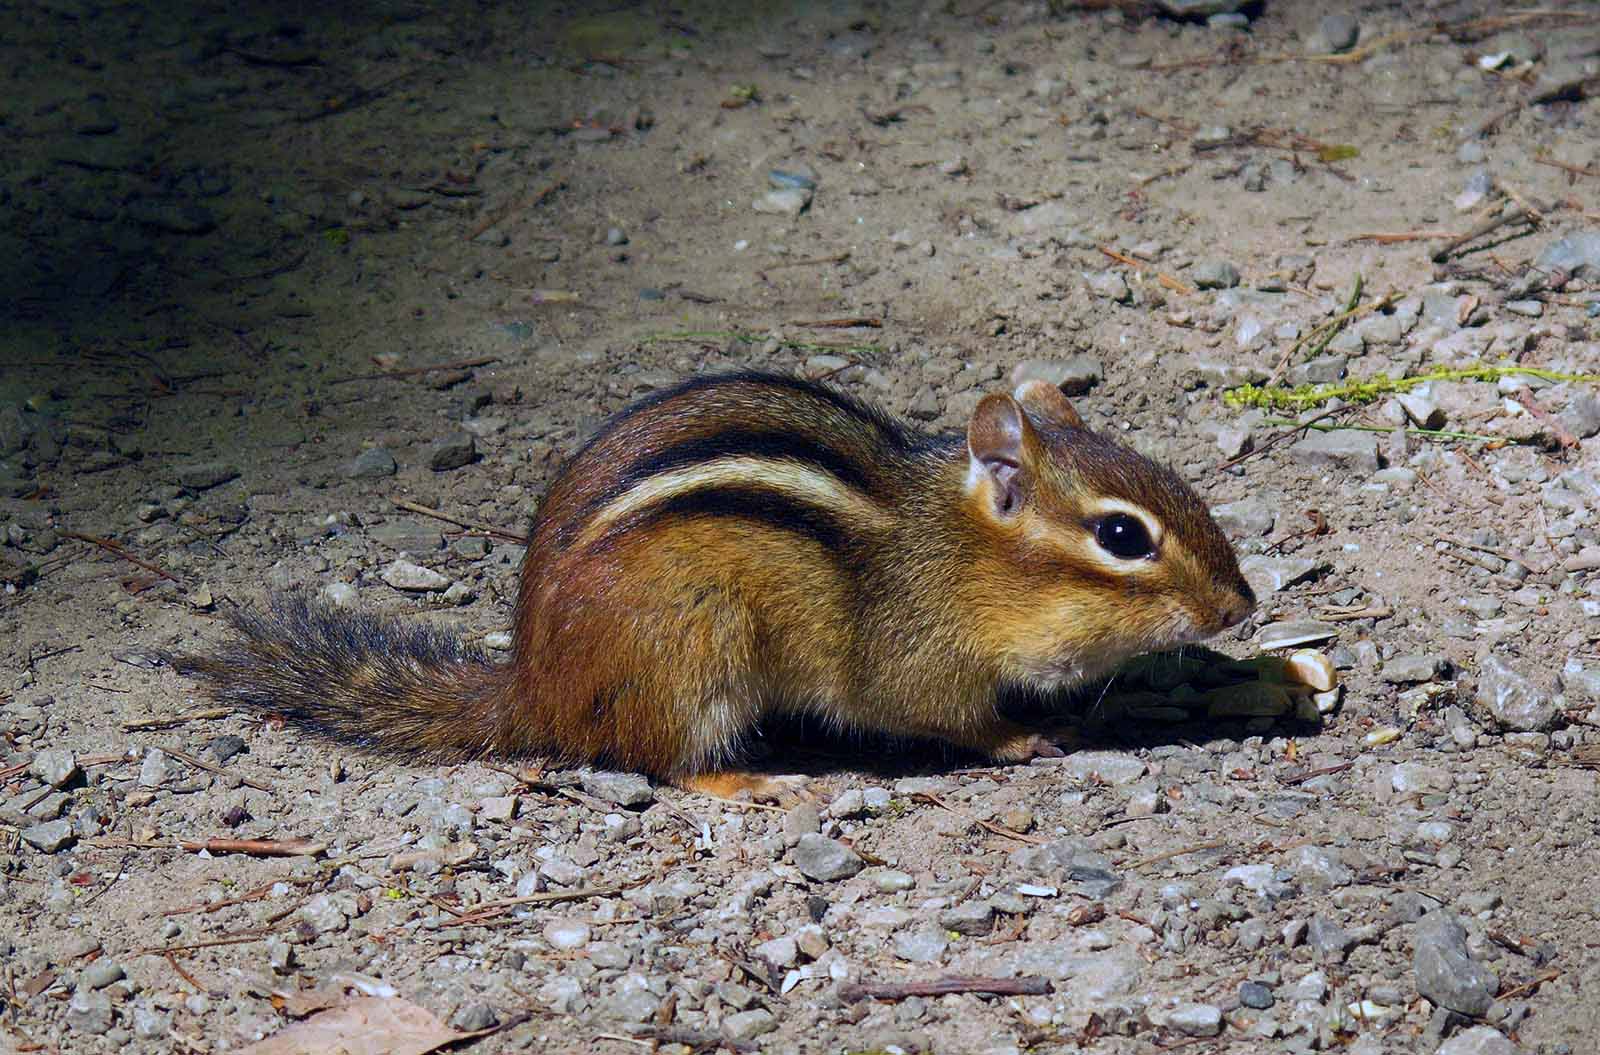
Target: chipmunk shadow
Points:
x,y
1094,716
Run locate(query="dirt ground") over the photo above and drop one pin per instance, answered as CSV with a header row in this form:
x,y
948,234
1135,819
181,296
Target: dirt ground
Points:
x,y
298,300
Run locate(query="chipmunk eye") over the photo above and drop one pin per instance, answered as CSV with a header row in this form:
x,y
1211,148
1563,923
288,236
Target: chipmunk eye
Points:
x,y
1124,536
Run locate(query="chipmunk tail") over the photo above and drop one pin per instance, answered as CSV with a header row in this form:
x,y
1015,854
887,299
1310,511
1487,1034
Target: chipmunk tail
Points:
x,y
356,678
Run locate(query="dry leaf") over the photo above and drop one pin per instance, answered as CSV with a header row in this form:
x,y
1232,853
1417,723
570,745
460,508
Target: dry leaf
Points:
x,y
365,1026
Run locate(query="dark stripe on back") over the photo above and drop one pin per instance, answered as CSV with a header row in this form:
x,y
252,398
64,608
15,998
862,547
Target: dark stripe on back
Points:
x,y
754,504
733,443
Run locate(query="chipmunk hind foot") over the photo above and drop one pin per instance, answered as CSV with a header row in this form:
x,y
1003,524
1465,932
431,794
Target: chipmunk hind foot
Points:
x,y
785,790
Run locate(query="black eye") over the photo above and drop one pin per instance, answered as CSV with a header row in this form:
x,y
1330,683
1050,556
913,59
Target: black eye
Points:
x,y
1124,536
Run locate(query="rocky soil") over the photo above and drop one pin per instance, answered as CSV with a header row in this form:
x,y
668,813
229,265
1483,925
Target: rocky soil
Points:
x,y
296,300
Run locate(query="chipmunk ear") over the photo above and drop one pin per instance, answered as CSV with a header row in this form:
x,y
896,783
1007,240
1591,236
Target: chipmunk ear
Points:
x,y
1001,448
1048,405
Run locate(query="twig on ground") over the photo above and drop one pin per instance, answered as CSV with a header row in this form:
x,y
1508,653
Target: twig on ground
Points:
x,y
1197,848
189,760
848,323
1023,986
470,525
522,206
988,826
834,258
144,725
412,371
116,550
1494,223
1172,282
1279,438
256,847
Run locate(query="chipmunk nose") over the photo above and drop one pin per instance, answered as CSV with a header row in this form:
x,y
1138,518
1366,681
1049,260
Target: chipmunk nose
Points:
x,y
1240,605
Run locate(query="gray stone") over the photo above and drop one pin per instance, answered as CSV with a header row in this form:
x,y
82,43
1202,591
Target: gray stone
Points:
x,y
1110,285
150,1024
452,452
101,973
407,535
1234,442
1214,274
824,859
1410,668
1110,767
925,943
1580,681
49,837
1581,415
225,747
1384,329
1317,869
324,914
1246,518
1530,309
202,476
1416,778
745,1026
57,767
1268,575
1478,1040
1513,700
780,952
499,808
1577,253
567,934
413,578
89,1011
1195,1020
624,789
1328,940
788,201
340,594
1256,995
474,1017
374,463
1221,373
156,769
1445,971
1323,370
1074,375
969,917
1421,409
1336,32
1339,449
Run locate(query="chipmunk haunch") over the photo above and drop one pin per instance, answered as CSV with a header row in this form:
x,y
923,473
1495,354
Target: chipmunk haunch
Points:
x,y
752,544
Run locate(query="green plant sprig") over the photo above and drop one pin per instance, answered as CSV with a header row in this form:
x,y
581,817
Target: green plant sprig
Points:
x,y
1376,387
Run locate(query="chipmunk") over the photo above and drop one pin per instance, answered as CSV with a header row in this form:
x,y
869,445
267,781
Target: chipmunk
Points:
x,y
751,544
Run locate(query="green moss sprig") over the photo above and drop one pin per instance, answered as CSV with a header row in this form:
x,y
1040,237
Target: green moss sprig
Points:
x,y
1375,388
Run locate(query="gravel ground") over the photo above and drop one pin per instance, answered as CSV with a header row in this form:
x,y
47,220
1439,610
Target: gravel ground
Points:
x,y
280,287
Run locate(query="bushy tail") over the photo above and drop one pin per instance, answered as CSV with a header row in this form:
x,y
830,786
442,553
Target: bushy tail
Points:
x,y
357,678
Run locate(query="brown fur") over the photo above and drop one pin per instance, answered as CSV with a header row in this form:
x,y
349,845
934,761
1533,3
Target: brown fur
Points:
x,y
754,544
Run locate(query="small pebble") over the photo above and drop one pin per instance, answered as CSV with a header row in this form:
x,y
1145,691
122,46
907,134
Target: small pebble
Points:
x,y
824,859
1445,971
413,578
1214,274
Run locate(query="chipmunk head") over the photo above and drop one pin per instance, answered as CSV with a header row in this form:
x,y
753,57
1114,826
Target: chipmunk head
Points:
x,y
1093,553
